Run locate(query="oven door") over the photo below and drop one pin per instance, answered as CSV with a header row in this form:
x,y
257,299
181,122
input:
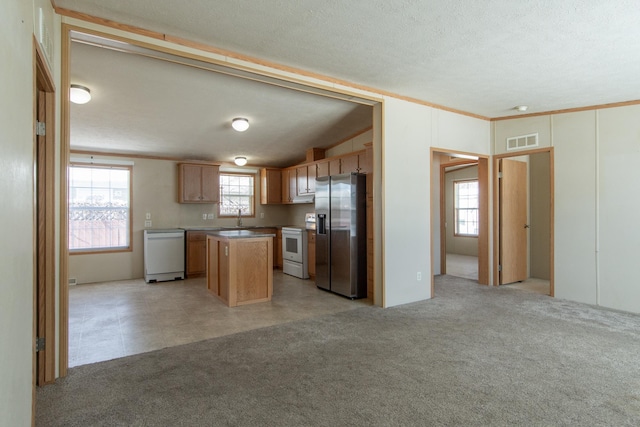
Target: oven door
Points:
x,y
292,245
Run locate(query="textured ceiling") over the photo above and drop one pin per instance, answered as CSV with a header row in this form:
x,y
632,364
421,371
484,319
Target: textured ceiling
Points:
x,y
482,56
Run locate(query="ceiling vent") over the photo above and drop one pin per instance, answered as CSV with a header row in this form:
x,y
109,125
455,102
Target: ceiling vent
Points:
x,y
523,141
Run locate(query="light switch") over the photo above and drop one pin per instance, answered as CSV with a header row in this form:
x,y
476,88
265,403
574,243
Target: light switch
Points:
x,y
204,216
148,216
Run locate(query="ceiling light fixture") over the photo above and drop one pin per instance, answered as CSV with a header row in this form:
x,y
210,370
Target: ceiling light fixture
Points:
x,y
240,161
521,108
79,94
240,124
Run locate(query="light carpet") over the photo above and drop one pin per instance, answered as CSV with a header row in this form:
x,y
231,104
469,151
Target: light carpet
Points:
x,y
473,355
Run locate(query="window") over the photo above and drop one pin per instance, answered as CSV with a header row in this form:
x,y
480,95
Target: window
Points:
x,y
99,208
466,208
236,195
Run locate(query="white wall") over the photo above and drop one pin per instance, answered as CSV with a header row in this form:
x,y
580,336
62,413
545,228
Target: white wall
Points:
x,y
406,205
618,174
596,157
17,189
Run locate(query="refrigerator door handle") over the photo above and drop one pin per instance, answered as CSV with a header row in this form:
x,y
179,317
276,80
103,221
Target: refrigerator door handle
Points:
x,y
322,224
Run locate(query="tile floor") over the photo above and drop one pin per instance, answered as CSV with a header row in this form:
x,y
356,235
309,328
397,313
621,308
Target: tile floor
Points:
x,y
117,319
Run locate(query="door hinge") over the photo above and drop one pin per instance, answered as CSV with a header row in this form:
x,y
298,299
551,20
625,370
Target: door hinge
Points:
x,y
499,174
499,268
40,343
41,128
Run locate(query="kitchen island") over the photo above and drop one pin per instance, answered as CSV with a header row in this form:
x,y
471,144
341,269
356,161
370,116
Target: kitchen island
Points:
x,y
240,266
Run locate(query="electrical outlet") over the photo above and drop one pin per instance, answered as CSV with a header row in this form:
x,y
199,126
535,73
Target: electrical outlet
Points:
x,y
210,216
148,216
261,215
204,216
419,276
147,224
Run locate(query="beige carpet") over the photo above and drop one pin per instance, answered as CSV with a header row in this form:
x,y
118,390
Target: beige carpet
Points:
x,y
474,355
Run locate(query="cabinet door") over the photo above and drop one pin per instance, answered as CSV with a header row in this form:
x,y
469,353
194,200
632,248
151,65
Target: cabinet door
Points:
x,y
289,185
334,167
311,252
302,181
364,165
210,184
270,186
196,253
278,251
322,169
349,164
312,173
189,185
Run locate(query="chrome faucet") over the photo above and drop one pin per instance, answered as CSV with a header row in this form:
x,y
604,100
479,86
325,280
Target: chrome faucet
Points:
x,y
239,217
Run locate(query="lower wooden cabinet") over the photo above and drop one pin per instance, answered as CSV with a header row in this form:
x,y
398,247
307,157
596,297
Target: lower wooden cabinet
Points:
x,y
196,256
277,249
311,253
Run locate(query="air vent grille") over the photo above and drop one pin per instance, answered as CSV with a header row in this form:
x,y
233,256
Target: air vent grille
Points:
x,y
523,141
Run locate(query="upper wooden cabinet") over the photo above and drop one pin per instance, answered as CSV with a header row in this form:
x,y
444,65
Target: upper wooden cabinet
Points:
x,y
198,183
322,169
289,185
349,163
270,186
306,179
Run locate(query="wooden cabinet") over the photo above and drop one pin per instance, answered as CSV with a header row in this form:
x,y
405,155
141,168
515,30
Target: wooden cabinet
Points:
x,y
277,249
311,253
334,166
196,256
349,163
306,179
198,183
276,244
270,186
289,185
322,169
354,163
240,270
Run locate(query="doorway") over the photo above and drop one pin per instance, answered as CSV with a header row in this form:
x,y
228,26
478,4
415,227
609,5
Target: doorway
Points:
x,y
523,220
445,162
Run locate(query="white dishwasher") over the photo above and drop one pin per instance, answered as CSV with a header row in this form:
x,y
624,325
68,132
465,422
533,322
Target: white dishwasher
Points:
x,y
163,255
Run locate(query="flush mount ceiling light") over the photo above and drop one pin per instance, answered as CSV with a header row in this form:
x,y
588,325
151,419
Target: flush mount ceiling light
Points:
x,y
240,124
240,161
521,108
79,94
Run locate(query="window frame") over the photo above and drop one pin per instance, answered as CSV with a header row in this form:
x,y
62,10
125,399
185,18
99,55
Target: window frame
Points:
x,y
119,249
456,233
253,195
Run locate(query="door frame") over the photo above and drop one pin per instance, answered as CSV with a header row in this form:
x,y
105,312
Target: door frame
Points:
x,y
44,269
483,236
496,213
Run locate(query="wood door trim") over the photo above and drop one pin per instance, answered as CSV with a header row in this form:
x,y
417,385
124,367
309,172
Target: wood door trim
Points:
x,y
44,277
65,129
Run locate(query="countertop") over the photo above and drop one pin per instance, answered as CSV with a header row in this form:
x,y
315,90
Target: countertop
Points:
x,y
232,228
239,234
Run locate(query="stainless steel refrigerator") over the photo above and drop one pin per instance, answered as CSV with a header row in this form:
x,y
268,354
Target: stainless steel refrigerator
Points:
x,y
341,241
